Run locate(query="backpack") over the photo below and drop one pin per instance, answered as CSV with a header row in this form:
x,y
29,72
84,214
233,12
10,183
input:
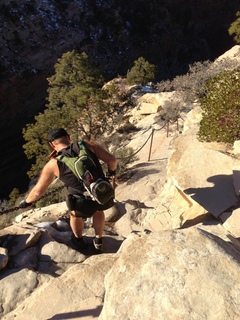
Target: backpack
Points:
x,y
88,172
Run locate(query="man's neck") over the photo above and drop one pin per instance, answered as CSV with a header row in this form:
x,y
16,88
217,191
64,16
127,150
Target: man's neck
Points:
x,y
61,146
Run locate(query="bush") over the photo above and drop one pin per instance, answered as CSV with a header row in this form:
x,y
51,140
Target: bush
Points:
x,y
141,73
190,87
125,156
127,127
14,196
221,109
234,28
6,218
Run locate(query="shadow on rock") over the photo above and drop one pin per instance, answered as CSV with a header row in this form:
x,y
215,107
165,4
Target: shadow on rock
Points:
x,y
94,313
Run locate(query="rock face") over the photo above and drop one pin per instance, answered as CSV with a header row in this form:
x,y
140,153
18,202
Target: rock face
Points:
x,y
34,34
175,273
169,253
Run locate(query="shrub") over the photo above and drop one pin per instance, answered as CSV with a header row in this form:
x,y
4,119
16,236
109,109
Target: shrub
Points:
x,y
221,109
191,87
234,28
14,196
125,156
141,73
127,127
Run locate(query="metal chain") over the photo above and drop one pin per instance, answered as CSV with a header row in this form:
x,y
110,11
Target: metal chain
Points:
x,y
153,129
44,196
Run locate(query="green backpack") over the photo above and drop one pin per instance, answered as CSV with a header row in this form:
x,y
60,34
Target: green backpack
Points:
x,y
87,171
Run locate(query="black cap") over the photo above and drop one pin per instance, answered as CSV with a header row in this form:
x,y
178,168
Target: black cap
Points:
x,y
56,133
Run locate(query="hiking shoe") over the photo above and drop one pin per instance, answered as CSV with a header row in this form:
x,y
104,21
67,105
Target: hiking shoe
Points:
x,y
98,245
78,243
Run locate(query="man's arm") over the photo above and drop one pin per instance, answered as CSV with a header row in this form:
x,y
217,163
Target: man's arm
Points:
x,y
103,155
47,176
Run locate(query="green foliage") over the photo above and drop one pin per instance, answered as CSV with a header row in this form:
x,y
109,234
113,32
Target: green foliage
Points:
x,y
190,86
6,218
116,92
56,193
171,110
125,156
234,28
14,196
141,73
221,109
75,102
127,127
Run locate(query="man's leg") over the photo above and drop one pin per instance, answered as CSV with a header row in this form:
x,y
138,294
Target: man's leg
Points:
x,y
76,224
98,223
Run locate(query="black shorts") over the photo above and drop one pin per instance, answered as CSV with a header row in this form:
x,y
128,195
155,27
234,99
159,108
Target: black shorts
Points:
x,y
85,207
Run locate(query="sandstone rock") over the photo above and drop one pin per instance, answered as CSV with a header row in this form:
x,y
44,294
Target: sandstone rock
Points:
x,y
209,181
193,118
175,273
55,258
12,291
229,219
77,294
3,257
112,214
232,54
17,238
148,108
236,147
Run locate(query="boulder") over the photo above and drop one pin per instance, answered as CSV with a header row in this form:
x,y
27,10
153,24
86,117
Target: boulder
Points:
x,y
179,274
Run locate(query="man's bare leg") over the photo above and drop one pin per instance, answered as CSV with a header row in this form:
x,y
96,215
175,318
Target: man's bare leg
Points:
x,y
76,224
98,223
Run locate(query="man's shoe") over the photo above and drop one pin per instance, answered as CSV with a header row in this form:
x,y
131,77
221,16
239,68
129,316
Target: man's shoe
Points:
x,y
78,243
98,245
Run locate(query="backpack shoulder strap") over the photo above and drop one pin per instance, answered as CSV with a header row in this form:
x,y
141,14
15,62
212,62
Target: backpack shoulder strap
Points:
x,y
82,148
70,161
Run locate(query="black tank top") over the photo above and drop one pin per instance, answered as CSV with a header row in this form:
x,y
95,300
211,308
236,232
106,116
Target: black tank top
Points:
x,y
74,186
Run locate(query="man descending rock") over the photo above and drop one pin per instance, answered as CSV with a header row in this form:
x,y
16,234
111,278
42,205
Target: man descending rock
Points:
x,y
79,202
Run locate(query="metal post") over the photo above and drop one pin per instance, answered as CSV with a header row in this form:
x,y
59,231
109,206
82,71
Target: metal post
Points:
x,y
167,128
150,150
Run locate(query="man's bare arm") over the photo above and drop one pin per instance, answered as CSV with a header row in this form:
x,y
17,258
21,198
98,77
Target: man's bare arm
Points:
x,y
103,155
47,176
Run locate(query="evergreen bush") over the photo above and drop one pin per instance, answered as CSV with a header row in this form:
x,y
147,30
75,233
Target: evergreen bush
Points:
x,y
221,109
141,73
234,28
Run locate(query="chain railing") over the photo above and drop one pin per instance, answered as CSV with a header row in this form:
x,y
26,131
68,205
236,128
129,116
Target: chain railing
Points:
x,y
42,197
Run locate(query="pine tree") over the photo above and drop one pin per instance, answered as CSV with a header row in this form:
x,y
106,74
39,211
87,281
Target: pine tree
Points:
x,y
141,73
235,28
75,102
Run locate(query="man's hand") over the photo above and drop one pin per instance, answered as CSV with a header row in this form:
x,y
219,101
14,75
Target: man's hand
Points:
x,y
110,173
24,204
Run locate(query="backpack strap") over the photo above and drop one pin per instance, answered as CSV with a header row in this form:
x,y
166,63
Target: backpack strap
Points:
x,y
69,162
82,148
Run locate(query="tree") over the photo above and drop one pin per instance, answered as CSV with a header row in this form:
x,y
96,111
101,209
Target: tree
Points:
x,y
141,73
75,102
221,109
235,28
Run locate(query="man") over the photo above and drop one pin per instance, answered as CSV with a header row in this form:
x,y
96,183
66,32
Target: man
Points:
x,y
79,204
